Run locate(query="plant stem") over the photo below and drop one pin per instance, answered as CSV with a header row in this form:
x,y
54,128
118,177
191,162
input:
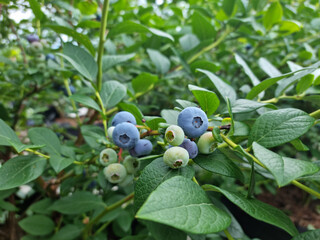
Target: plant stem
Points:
x,y
226,232
104,18
315,114
208,48
67,86
104,116
87,229
276,99
294,182
37,153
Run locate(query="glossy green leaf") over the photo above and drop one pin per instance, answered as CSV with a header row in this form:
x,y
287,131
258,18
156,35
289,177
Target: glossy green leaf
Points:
x,y
284,169
68,232
223,88
208,100
21,170
77,203
112,92
110,61
309,235
85,100
153,175
81,38
80,60
201,26
258,210
273,15
37,225
280,126
217,162
161,62
144,82
196,214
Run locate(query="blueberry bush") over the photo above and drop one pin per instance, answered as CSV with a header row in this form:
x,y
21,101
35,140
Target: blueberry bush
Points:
x,y
146,119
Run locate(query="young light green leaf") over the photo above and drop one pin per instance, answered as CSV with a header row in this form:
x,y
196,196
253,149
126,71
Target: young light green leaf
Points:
x,y
258,210
81,38
85,100
208,100
284,169
87,7
37,225
218,163
298,144
196,214
78,203
21,170
109,61
280,126
223,88
273,15
80,60
153,175
112,92
161,62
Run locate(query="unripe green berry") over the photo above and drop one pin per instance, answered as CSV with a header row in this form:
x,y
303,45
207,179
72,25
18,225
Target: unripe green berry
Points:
x,y
110,131
174,135
176,157
36,47
115,172
108,156
207,143
131,164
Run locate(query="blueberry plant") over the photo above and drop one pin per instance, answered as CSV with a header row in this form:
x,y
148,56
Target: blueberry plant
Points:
x,y
172,110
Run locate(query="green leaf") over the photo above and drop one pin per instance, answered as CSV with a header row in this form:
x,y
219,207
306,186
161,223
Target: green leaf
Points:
x,y
169,205
93,135
218,163
85,100
255,81
245,106
202,27
37,225
223,88
133,27
81,38
268,68
153,122
304,83
312,98
36,9
171,116
42,206
80,60
228,6
208,100
188,41
68,232
298,144
289,26
144,82
309,235
280,126
8,206
110,61
89,24
7,135
273,15
153,175
19,147
21,170
78,203
112,92
258,210
284,169
130,107
205,65
161,62
59,163
185,104
87,7
161,232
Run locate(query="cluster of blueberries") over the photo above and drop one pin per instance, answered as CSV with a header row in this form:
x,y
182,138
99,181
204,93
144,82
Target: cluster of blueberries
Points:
x,y
192,124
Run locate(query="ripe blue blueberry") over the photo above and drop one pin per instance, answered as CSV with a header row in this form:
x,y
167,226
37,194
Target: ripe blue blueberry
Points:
x,y
50,56
33,38
193,121
115,172
176,157
123,116
191,147
207,143
125,135
108,156
174,135
143,147
131,164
